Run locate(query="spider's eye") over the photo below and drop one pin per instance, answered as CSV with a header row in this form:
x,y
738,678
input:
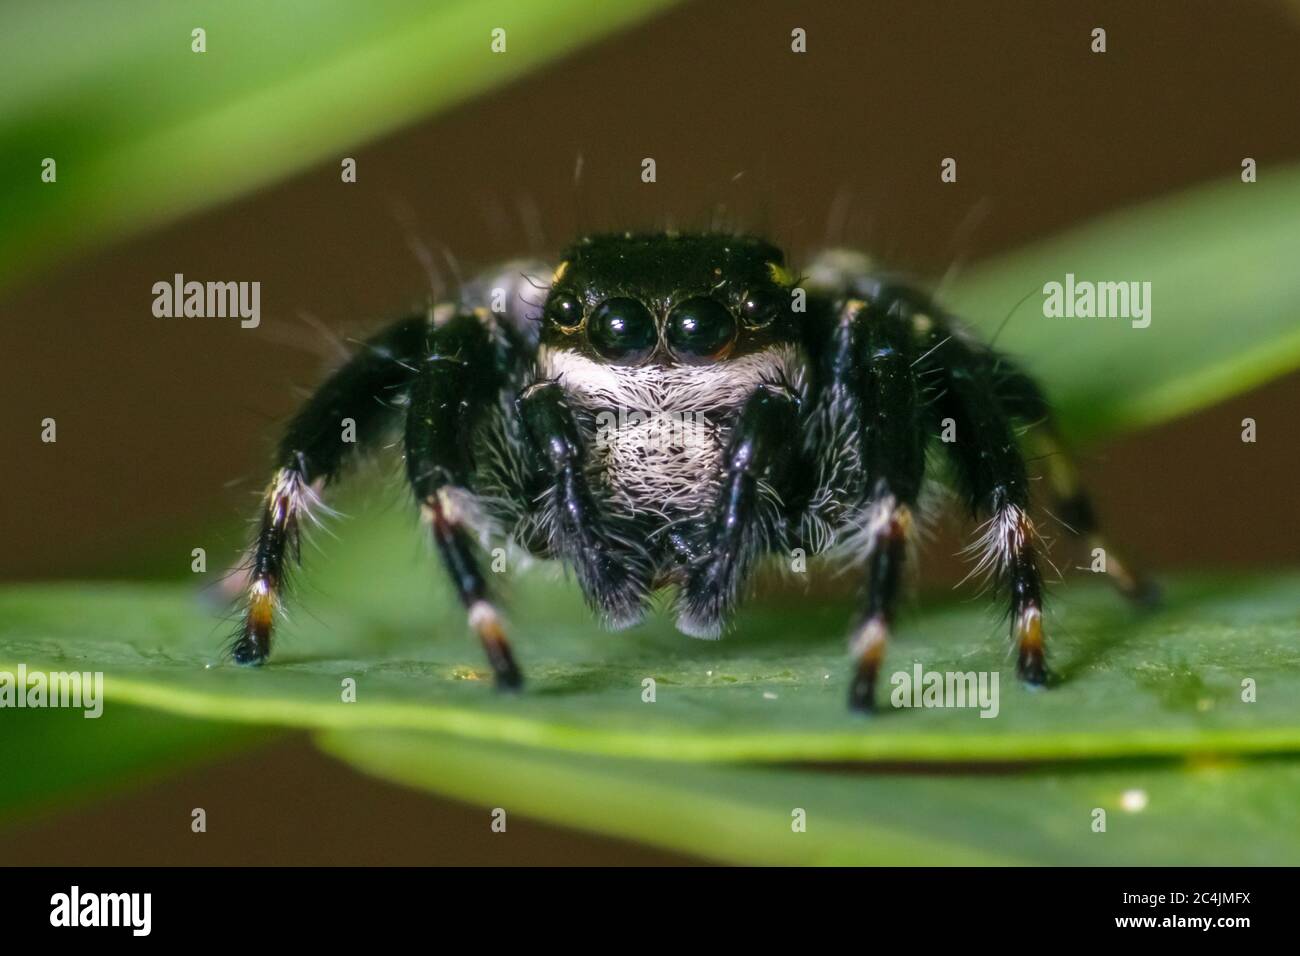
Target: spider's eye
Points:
x,y
761,307
622,330
564,310
700,329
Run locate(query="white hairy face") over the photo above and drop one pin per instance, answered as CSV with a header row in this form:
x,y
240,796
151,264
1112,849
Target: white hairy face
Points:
x,y
661,429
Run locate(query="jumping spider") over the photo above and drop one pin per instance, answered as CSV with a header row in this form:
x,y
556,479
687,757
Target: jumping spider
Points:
x,y
804,411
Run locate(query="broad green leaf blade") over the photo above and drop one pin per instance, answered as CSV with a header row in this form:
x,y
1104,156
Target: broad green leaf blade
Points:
x,y
143,129
1225,304
375,611
1191,813
60,756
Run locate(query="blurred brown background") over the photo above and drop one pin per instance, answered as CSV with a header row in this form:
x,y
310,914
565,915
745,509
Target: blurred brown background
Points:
x,y
165,424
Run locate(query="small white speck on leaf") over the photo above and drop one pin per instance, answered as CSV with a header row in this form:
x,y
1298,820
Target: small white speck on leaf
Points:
x,y
1134,801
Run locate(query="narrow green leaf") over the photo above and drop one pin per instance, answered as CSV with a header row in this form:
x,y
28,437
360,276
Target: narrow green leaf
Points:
x,y
143,129
1224,296
1162,814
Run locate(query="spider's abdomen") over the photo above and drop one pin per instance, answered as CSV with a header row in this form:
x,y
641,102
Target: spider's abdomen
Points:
x,y
657,433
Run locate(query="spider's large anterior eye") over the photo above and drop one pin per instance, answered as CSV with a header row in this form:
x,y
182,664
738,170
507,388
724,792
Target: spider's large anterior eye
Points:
x,y
700,329
761,307
564,310
622,330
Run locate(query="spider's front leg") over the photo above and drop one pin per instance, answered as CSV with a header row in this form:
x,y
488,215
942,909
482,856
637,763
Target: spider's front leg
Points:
x,y
761,449
312,454
460,381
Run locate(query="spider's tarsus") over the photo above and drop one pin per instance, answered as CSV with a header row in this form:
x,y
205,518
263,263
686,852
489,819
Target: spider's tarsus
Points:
x,y
868,649
249,652
486,623
1137,587
1146,594
1031,658
1031,667
254,644
509,679
862,693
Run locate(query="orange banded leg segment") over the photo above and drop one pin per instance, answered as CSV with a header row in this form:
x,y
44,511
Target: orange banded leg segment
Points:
x,y
289,500
1009,549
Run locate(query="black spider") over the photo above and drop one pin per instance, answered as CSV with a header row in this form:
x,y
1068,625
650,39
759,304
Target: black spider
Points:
x,y
684,407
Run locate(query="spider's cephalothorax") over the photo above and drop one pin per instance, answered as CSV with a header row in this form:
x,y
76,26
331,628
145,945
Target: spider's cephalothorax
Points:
x,y
673,408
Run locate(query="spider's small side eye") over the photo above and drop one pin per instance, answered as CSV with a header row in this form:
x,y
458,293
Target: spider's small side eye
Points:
x,y
564,310
623,330
760,308
700,330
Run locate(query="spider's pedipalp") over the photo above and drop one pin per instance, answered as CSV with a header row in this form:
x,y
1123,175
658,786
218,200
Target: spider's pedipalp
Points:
x,y
611,569
733,535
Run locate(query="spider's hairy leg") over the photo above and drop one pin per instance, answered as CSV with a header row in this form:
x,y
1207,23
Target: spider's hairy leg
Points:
x,y
458,382
760,450
893,438
613,574
311,455
1071,503
991,472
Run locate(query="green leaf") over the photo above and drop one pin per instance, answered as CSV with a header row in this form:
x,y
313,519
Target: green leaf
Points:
x,y
66,756
1188,813
1225,304
144,130
1163,683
